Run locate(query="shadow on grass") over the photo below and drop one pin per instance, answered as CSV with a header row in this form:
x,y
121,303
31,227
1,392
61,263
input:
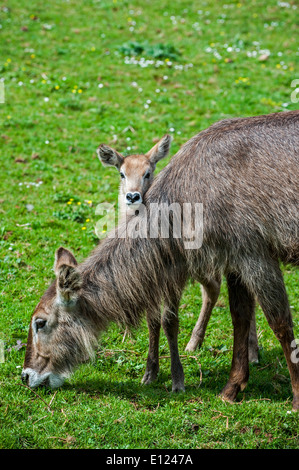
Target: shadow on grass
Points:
x,y
268,380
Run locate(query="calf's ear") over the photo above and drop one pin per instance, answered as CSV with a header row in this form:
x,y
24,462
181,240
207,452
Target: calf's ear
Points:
x,y
109,156
160,150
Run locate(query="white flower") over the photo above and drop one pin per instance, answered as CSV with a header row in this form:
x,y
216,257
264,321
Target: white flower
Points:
x,y
46,99
100,85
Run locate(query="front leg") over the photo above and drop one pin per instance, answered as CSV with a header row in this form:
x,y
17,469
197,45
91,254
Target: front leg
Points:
x,y
170,323
152,363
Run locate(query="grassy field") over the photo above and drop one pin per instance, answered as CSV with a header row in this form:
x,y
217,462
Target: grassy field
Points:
x,y
77,74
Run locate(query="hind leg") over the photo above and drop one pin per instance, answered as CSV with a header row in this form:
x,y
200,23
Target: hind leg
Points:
x,y
210,294
242,304
272,296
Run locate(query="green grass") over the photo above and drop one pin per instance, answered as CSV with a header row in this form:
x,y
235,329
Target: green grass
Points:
x,y
53,59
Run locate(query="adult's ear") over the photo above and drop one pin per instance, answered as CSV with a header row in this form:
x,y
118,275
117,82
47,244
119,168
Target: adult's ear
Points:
x,y
160,150
109,156
69,280
63,256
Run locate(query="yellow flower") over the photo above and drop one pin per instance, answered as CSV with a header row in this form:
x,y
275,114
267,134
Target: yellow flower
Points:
x,y
71,199
74,91
93,49
69,202
104,231
80,91
44,81
32,56
278,66
57,87
87,220
8,60
83,228
75,87
89,202
8,117
79,203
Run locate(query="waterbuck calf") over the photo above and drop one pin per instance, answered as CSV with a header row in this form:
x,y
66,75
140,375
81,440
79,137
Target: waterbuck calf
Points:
x,y
136,172
245,172
137,175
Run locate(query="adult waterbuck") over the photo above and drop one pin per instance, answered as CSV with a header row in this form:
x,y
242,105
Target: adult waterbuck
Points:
x,y
137,175
245,173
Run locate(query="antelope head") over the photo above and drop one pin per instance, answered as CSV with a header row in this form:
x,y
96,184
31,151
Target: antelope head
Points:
x,y
136,171
60,334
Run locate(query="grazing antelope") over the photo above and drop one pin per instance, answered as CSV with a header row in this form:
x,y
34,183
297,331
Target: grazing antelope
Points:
x,y
137,174
245,172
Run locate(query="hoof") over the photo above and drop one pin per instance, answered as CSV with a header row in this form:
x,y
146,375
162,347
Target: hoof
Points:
x,y
253,357
229,392
295,404
149,377
193,345
178,388
190,348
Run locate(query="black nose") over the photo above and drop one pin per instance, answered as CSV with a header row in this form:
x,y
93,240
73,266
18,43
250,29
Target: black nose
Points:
x,y
24,378
133,198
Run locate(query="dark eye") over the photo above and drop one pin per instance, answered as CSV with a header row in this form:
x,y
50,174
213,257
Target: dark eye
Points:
x,y
147,176
40,323
122,175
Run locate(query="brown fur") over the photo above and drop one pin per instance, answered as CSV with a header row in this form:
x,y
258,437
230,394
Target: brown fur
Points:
x,y
133,169
245,172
